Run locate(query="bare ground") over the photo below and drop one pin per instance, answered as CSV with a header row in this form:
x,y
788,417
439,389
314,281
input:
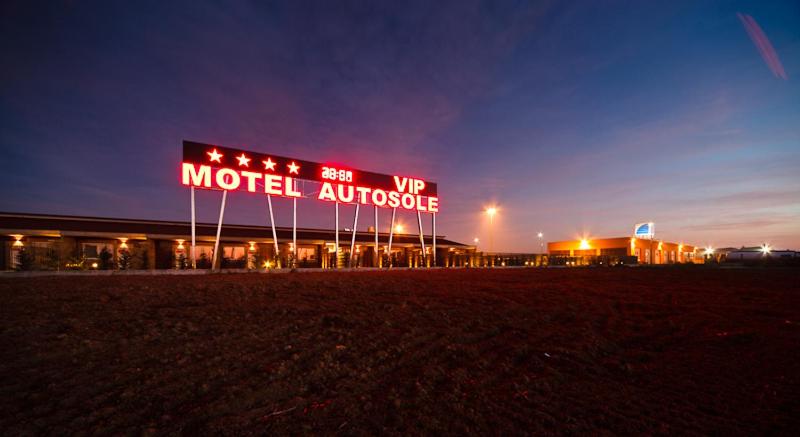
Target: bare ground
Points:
x,y
601,351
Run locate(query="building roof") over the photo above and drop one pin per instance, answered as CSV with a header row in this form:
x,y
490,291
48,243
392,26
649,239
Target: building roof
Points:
x,y
65,225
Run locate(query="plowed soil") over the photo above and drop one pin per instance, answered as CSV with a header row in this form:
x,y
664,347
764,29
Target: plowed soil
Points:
x,y
552,351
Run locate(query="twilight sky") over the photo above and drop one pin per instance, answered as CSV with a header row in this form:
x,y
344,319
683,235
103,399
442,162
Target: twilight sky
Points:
x,y
577,119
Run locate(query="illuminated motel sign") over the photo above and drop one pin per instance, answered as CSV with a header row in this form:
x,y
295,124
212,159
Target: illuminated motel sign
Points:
x,y
211,167
222,168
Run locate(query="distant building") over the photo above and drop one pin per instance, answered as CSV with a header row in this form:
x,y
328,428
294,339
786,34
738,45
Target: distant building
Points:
x,y
628,250
751,254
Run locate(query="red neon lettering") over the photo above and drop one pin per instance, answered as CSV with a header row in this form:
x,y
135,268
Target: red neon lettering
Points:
x,y
226,173
394,199
407,197
326,192
433,204
362,194
289,188
200,177
400,186
407,201
251,180
420,205
272,184
350,193
379,197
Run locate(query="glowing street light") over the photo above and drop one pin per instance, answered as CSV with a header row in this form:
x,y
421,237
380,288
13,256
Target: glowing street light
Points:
x,y
541,242
475,240
709,251
766,249
491,211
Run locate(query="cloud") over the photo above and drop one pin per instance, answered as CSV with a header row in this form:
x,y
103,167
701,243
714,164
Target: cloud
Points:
x,y
763,45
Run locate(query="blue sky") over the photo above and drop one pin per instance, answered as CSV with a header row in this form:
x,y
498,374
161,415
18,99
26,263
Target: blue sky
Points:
x,y
575,119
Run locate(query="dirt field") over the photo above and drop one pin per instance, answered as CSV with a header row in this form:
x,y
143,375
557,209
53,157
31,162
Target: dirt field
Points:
x,y
605,351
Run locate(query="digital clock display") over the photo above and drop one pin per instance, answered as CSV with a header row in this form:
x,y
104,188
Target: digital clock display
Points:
x,y
336,174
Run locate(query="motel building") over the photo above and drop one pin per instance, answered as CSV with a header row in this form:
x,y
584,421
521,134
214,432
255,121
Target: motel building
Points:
x,y
55,242
640,248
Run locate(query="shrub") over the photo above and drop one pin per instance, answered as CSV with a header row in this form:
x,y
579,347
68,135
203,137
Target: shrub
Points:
x,y
25,260
105,259
124,259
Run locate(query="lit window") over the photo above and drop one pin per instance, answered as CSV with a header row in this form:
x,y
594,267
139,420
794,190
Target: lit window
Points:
x,y
233,252
306,253
93,250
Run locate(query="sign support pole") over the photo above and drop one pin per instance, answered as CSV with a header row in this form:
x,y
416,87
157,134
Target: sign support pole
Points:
x,y
377,257
421,239
294,232
353,240
274,233
391,234
336,248
433,243
194,257
219,229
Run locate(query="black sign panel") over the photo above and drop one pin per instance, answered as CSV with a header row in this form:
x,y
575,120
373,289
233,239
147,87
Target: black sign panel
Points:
x,y
244,160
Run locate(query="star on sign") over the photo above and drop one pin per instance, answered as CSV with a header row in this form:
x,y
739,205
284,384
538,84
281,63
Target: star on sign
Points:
x,y
269,165
243,160
293,168
215,156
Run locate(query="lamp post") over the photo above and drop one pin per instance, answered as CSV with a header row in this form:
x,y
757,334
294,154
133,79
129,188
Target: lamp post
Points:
x,y
491,211
475,240
541,242
709,253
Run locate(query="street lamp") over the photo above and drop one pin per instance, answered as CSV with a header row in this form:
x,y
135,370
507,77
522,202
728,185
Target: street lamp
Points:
x,y
765,249
491,211
541,242
476,243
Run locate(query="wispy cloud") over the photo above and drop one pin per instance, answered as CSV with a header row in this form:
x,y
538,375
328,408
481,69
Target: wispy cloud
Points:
x,y
763,45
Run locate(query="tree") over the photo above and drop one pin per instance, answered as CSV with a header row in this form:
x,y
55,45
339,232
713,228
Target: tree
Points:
x,y
203,262
124,259
52,258
25,260
145,259
181,263
105,259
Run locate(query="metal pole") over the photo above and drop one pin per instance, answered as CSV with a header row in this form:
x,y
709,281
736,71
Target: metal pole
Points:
x,y
274,233
194,257
219,229
491,233
421,238
294,232
433,220
377,257
391,234
336,248
353,240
